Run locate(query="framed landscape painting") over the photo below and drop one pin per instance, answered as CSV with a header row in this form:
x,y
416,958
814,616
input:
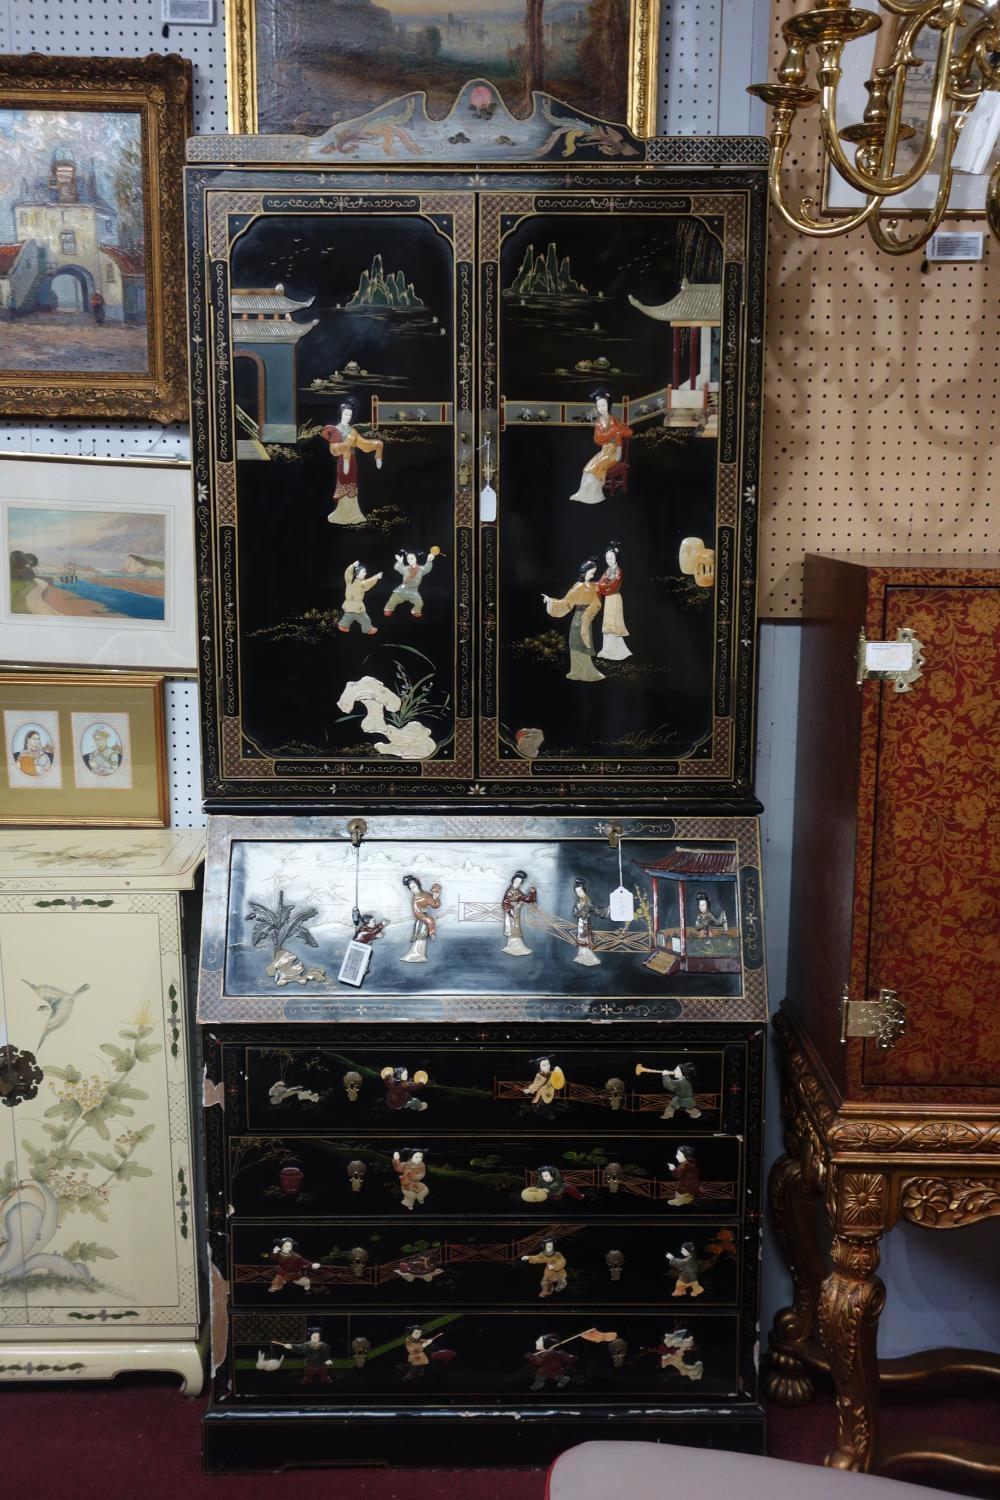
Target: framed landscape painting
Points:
x,y
98,566
91,236
299,66
83,748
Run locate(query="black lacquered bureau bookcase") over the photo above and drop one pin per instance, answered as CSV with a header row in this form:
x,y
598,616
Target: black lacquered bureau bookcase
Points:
x,y
476,413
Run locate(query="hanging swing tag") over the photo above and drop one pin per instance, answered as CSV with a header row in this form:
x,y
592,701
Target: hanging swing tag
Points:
x,y
355,963
487,504
621,905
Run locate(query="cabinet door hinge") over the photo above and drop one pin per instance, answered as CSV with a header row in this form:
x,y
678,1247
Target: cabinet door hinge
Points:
x,y
883,1019
900,662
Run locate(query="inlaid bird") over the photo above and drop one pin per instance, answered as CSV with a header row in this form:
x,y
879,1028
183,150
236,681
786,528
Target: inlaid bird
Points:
x,y
58,1003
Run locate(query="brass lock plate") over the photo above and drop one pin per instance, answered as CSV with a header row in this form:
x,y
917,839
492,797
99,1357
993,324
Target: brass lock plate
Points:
x,y
900,662
883,1020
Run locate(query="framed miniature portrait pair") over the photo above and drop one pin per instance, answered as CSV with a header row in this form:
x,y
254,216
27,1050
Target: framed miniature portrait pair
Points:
x,y
92,236
83,748
297,68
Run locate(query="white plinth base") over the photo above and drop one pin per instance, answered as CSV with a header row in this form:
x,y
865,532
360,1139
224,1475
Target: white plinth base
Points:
x,y
97,1361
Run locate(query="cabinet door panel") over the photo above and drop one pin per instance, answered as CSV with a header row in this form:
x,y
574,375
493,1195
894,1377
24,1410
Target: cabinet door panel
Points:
x,y
935,907
611,568
13,1239
491,1175
487,1354
475,1089
100,1147
613,1265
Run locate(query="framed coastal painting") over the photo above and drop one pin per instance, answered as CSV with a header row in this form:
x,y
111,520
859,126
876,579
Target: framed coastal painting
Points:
x,y
98,563
83,748
297,67
91,236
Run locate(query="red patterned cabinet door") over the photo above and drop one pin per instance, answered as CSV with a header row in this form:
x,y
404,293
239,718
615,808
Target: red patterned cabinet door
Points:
x,y
933,929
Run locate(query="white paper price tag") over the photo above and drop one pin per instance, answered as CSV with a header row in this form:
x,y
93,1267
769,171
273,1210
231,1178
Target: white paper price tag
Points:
x,y
621,905
487,503
888,656
355,964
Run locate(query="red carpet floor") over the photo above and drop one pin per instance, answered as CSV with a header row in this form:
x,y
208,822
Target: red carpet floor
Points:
x,y
139,1440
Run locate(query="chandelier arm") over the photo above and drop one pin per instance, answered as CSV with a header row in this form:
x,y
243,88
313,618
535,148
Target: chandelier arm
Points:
x,y
892,246
889,186
804,223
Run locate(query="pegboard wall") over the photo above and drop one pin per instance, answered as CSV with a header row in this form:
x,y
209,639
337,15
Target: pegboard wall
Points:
x,y
881,391
707,58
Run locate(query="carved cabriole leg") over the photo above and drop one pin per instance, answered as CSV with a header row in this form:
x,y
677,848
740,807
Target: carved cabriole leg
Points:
x,y
793,1197
851,1300
794,1186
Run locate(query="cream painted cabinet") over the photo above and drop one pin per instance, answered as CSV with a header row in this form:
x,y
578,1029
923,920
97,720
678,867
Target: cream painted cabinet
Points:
x,y
98,1266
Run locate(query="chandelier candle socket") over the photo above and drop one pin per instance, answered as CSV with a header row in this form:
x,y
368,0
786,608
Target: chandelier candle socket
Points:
x,y
963,97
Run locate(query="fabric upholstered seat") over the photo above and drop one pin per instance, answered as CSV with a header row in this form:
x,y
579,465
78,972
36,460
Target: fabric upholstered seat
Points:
x,y
593,1471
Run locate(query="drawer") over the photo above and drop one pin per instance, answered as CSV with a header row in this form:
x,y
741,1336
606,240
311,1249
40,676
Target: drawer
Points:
x,y
486,1354
606,1265
289,1178
476,1088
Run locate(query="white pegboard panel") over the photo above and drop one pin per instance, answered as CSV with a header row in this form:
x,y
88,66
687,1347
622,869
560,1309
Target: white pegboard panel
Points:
x,y
711,50
123,28
184,754
109,440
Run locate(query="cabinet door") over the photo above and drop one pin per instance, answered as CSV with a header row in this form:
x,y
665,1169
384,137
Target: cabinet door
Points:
x,y
935,896
101,1151
612,354
16,1080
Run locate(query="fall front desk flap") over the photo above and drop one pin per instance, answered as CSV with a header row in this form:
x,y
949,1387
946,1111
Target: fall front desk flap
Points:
x,y
482,919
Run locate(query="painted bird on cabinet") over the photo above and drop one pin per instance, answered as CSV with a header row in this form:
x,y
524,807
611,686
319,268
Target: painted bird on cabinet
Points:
x,y
59,1004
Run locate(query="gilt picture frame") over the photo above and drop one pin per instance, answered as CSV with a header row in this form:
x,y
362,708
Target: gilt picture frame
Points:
x,y
606,63
83,749
98,563
91,236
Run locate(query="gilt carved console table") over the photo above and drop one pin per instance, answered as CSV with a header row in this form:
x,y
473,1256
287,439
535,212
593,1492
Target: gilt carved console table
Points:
x,y
890,1044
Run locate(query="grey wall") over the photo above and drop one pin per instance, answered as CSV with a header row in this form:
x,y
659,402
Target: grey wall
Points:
x,y
943,1287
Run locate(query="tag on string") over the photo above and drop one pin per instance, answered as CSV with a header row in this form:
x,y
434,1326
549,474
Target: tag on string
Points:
x,y
355,964
487,495
621,906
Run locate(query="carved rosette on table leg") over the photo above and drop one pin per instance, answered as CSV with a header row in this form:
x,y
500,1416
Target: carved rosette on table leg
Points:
x,y
851,1301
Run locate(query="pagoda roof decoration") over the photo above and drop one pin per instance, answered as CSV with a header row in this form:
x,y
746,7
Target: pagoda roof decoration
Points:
x,y
698,304
693,864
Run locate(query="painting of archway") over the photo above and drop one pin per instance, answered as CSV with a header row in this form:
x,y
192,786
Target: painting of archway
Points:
x,y
70,289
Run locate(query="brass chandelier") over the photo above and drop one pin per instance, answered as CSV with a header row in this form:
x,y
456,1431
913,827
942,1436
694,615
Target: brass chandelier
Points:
x,y
966,70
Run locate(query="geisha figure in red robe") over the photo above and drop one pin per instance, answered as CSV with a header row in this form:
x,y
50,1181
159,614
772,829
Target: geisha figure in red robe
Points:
x,y
609,434
345,441
609,587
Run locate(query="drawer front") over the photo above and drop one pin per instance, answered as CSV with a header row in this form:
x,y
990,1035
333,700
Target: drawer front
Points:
x,y
606,1265
288,1179
468,1088
485,1354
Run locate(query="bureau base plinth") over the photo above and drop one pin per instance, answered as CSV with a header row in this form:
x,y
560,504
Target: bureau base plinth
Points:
x,y
273,1439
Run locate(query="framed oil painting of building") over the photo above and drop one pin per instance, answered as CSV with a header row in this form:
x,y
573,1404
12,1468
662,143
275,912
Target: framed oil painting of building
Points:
x,y
299,66
98,563
83,748
91,278
480,459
